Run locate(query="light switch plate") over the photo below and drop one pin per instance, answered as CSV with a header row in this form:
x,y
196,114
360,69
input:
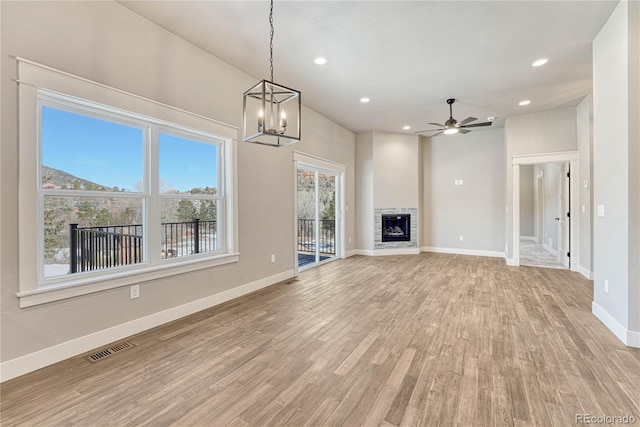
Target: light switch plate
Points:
x,y
601,211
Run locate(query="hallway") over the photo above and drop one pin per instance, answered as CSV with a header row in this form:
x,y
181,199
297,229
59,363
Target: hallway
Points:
x,y
534,254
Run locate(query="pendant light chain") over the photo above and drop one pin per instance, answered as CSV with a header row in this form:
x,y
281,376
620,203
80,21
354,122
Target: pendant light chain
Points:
x,y
271,40
271,112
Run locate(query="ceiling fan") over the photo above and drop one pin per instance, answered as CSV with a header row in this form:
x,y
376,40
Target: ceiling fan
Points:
x,y
453,126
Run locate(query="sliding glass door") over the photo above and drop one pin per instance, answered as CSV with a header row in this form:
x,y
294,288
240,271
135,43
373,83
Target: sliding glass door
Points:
x,y
316,212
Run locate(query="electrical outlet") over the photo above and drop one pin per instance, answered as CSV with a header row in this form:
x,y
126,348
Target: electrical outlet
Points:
x,y
135,291
584,209
461,182
606,286
273,258
462,238
456,182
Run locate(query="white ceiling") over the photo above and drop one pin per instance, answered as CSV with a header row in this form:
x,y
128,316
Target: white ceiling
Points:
x,y
407,56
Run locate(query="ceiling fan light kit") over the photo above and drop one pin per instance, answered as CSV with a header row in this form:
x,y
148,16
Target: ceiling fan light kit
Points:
x,y
452,126
271,112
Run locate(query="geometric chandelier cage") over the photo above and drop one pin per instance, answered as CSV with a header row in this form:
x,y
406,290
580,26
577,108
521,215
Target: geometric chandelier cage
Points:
x,y
271,113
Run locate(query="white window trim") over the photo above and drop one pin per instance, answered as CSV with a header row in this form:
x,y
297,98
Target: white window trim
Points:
x,y
33,78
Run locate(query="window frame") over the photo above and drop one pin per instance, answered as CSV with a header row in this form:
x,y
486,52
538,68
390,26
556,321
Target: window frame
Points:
x,y
52,88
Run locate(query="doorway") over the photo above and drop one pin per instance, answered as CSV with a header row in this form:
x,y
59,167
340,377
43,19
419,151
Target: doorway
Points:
x,y
318,212
557,232
544,215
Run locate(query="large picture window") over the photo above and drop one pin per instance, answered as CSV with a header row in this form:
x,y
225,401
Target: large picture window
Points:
x,y
119,196
93,195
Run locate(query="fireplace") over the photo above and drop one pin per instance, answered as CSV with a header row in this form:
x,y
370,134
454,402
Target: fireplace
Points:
x,y
396,228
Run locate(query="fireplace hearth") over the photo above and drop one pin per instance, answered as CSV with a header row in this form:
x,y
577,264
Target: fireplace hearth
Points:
x,y
396,228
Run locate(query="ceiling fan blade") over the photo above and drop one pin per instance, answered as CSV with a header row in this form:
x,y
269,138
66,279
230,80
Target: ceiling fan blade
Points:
x,y
429,130
463,131
437,124
467,120
435,134
475,125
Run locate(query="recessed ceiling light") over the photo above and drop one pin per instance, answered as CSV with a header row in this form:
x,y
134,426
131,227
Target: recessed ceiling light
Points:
x,y
406,127
525,102
491,118
364,100
320,60
539,62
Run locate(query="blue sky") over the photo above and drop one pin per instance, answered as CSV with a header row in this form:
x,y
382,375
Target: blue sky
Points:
x,y
111,154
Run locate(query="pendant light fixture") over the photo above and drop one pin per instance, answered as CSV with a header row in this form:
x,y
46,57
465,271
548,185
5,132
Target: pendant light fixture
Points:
x,y
270,111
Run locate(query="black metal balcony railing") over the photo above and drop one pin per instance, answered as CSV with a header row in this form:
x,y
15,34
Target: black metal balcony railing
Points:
x,y
95,248
326,239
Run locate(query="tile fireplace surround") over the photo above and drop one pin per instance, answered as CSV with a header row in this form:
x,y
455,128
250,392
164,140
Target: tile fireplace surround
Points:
x,y
377,228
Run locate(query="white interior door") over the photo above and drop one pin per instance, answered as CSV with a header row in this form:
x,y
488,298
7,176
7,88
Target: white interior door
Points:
x,y
564,237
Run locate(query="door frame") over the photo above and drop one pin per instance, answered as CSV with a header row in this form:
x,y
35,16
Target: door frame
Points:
x,y
533,159
301,160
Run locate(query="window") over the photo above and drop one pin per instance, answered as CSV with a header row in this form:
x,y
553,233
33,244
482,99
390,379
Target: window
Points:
x,y
119,196
93,196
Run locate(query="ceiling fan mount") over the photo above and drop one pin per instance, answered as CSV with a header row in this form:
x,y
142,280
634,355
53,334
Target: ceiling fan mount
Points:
x,y
452,126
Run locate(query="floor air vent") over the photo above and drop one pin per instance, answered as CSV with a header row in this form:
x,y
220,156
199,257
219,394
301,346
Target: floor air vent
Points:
x,y
106,352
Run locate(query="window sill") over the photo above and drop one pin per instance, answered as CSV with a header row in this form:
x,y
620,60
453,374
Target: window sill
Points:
x,y
88,285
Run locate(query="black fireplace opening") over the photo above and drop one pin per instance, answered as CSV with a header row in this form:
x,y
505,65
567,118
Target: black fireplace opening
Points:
x,y
396,228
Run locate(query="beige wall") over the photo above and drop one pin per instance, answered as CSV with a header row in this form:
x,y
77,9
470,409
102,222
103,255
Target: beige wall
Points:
x,y
396,164
585,148
616,141
107,43
474,210
364,193
545,132
387,176
527,211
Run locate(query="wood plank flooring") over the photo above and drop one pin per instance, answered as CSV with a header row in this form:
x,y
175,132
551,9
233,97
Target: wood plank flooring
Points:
x,y
431,339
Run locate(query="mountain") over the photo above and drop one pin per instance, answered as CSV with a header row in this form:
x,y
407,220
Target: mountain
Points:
x,y
56,178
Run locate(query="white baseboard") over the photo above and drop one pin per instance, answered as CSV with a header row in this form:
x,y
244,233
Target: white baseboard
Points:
x,y
550,249
629,338
532,238
633,339
458,251
510,261
586,273
48,356
384,252
365,252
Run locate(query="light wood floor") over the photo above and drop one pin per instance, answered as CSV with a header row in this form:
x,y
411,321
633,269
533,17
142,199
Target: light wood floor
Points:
x,y
432,339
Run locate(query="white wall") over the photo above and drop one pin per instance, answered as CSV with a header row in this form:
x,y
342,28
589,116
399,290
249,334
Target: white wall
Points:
x,y
585,149
527,210
616,137
107,43
396,164
387,176
475,209
364,191
544,132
